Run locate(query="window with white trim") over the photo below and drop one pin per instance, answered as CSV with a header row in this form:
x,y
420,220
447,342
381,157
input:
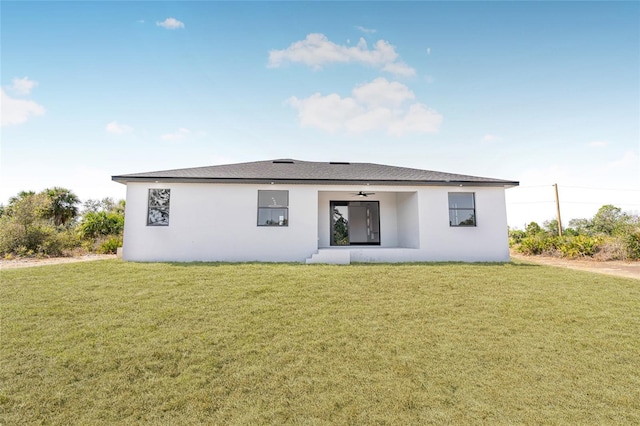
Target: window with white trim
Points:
x,y
158,207
462,209
273,208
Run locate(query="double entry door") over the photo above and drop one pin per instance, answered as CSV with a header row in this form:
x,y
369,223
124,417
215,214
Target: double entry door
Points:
x,y
355,223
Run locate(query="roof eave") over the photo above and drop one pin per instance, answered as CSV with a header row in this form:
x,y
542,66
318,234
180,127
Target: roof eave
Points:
x,y
126,179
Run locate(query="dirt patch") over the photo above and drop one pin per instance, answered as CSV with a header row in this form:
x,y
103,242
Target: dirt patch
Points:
x,y
28,262
612,267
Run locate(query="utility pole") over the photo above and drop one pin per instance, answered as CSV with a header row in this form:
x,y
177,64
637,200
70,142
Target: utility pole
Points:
x,y
555,185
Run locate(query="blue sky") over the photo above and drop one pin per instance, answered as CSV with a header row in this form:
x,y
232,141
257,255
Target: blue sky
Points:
x,y
540,92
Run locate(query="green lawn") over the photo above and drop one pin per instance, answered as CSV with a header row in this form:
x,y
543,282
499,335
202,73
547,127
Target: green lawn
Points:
x,y
114,342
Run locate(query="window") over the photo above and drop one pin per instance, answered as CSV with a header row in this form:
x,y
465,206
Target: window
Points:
x,y
273,208
158,207
462,209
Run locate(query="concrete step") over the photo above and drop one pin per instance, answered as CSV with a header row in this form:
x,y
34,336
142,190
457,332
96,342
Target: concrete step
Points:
x,y
331,256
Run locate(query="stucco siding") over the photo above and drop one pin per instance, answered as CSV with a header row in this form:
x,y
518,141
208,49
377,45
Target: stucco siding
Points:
x,y
408,220
218,222
485,242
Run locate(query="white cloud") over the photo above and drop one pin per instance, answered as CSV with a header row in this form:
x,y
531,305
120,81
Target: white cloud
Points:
x,y
17,111
419,119
170,24
379,118
23,86
598,144
399,68
491,138
317,50
365,30
380,105
428,51
181,133
383,92
328,113
117,128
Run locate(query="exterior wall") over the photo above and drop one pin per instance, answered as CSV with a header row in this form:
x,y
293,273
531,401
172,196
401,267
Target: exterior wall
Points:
x,y
219,223
488,241
408,220
418,218
211,222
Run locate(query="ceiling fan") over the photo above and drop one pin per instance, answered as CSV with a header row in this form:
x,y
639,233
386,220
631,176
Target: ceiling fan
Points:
x,y
363,194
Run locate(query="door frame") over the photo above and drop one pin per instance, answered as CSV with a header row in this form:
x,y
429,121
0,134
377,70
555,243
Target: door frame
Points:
x,y
333,203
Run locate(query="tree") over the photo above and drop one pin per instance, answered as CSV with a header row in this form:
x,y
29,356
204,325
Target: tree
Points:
x,y
101,223
101,218
551,226
25,229
533,229
120,207
105,205
581,226
340,229
16,198
64,205
91,205
609,220
28,208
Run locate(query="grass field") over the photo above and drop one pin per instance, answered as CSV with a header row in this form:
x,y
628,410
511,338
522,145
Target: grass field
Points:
x,y
113,342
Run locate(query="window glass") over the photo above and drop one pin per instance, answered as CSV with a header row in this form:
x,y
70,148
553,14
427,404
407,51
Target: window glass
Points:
x,y
462,211
158,207
461,200
273,198
272,217
273,208
461,218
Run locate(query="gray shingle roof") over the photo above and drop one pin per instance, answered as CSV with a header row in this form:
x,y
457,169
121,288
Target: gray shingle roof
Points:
x,y
301,172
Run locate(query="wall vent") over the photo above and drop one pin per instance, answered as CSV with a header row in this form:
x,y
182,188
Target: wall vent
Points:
x,y
344,163
282,161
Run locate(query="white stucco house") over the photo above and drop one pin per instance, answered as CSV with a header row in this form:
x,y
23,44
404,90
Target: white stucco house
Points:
x,y
315,212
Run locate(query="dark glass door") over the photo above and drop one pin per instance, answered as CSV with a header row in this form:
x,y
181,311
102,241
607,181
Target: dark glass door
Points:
x,y
355,223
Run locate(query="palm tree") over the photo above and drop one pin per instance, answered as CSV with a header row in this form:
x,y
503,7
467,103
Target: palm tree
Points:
x,y
64,205
21,196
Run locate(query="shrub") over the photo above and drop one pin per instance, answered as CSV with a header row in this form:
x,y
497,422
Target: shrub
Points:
x,y
533,229
570,232
579,246
110,246
538,244
96,224
611,248
610,235
516,236
10,236
632,245
40,239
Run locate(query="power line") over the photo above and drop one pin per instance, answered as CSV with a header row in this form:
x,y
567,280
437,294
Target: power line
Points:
x,y
589,202
530,202
601,189
577,187
571,202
